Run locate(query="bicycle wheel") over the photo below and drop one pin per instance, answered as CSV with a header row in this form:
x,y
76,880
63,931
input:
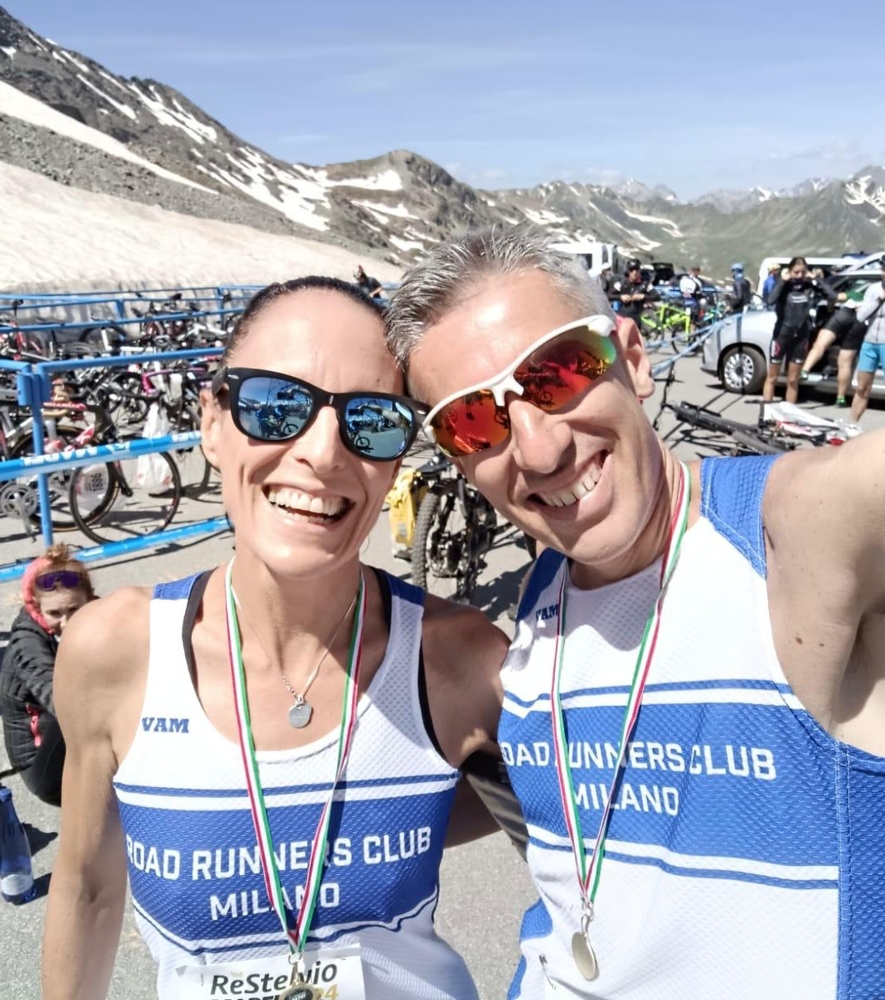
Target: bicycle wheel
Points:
x,y
25,491
113,502
449,544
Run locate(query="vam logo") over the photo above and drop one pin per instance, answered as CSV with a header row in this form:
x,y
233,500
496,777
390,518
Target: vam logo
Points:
x,y
545,614
163,724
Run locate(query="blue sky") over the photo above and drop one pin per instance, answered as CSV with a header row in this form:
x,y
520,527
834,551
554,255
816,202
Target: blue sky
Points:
x,y
693,95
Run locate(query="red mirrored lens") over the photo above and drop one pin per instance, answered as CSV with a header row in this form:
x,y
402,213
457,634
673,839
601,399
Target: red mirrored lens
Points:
x,y
470,424
564,368
551,378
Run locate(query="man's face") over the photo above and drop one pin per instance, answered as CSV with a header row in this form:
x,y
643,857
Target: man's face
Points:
x,y
634,275
539,476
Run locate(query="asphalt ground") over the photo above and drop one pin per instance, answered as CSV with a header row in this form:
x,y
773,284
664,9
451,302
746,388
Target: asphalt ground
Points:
x,y
484,886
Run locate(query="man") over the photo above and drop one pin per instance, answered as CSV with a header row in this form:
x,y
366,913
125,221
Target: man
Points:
x,y
872,352
371,286
634,293
742,850
692,289
741,294
774,271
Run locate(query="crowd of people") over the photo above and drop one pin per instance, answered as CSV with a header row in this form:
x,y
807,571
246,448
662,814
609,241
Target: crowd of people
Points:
x,y
270,751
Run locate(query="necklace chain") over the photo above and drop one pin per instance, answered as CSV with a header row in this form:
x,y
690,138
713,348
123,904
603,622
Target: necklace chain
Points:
x,y
299,697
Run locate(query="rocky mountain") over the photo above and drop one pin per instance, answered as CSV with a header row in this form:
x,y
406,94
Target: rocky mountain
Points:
x,y
64,115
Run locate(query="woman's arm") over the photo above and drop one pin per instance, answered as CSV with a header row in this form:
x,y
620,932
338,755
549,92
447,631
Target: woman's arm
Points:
x,y
99,677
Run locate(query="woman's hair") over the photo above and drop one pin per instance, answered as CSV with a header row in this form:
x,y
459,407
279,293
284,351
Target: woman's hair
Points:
x,y
261,300
56,559
795,261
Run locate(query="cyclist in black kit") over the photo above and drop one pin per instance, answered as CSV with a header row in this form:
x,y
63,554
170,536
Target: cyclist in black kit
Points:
x,y
634,293
793,299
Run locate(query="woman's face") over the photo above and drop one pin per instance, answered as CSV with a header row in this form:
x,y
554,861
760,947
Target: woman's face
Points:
x,y
798,271
57,606
305,506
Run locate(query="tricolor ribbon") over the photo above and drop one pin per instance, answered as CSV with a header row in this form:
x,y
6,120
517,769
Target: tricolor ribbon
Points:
x,y
588,870
297,932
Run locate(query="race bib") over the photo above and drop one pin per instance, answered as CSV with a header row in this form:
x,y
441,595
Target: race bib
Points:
x,y
330,973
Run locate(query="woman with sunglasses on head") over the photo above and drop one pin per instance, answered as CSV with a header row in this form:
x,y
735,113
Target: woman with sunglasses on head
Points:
x,y
274,745
54,586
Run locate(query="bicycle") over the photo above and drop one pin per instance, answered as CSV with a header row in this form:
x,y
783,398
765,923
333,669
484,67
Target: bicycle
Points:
x,y
442,526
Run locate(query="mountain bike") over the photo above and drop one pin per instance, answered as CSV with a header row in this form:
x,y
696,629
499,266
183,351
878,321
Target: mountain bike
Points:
x,y
454,529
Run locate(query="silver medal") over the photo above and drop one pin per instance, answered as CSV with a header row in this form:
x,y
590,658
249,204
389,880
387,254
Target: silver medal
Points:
x,y
584,956
299,715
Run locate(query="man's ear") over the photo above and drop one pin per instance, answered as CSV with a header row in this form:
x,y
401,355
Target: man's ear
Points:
x,y
210,426
633,354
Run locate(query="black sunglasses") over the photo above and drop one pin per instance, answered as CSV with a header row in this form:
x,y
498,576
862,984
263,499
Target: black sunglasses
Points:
x,y
270,407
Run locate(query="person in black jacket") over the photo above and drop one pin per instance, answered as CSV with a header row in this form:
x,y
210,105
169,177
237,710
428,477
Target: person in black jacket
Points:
x,y
793,300
741,294
634,293
53,588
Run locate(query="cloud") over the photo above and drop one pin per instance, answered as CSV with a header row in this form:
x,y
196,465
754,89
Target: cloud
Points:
x,y
841,149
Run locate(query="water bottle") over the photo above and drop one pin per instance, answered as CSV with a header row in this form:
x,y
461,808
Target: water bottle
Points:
x,y
16,874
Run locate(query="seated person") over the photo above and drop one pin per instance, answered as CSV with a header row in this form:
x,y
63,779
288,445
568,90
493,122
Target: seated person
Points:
x,y
53,588
371,286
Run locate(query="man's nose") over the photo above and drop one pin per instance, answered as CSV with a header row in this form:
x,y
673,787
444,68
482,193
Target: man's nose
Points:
x,y
539,440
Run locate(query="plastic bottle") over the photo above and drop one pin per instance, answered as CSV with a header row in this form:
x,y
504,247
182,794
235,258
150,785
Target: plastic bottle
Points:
x,y
16,874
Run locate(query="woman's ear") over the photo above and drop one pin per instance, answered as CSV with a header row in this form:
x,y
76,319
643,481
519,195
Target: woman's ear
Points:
x,y
210,426
633,354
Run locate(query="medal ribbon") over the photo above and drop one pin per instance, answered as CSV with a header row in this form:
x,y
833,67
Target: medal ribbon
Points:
x,y
297,935
589,871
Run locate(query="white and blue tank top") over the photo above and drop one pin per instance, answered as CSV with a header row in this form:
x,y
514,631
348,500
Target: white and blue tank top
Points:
x,y
745,857
196,881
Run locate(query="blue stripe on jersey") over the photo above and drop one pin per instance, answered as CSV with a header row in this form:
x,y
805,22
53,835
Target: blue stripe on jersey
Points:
x,y
736,684
731,500
543,572
405,591
323,786
176,590
861,794
536,923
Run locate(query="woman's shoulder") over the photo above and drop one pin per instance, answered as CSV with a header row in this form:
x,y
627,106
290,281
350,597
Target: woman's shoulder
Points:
x,y
458,635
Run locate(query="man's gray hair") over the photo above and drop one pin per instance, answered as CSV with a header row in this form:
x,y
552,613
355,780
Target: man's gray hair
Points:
x,y
436,285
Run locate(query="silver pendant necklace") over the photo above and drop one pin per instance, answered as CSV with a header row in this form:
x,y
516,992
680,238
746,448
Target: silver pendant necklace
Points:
x,y
300,713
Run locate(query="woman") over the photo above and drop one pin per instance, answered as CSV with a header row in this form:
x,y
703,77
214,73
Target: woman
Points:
x,y
54,586
793,299
283,733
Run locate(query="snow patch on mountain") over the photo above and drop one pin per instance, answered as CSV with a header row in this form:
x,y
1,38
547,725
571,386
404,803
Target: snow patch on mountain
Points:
x,y
124,109
667,224
176,117
18,105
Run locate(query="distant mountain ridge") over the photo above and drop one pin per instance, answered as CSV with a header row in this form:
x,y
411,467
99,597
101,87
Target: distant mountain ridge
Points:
x,y
397,205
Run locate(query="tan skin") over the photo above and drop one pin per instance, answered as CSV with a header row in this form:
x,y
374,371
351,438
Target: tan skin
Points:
x,y
295,584
827,601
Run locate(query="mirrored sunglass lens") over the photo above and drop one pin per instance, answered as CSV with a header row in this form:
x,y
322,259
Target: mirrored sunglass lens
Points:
x,y
565,367
272,409
377,427
66,578
470,424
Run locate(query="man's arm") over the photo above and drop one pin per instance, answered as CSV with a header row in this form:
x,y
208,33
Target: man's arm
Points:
x,y
99,676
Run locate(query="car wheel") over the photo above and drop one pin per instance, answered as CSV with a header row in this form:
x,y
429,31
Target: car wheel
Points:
x,y
743,369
